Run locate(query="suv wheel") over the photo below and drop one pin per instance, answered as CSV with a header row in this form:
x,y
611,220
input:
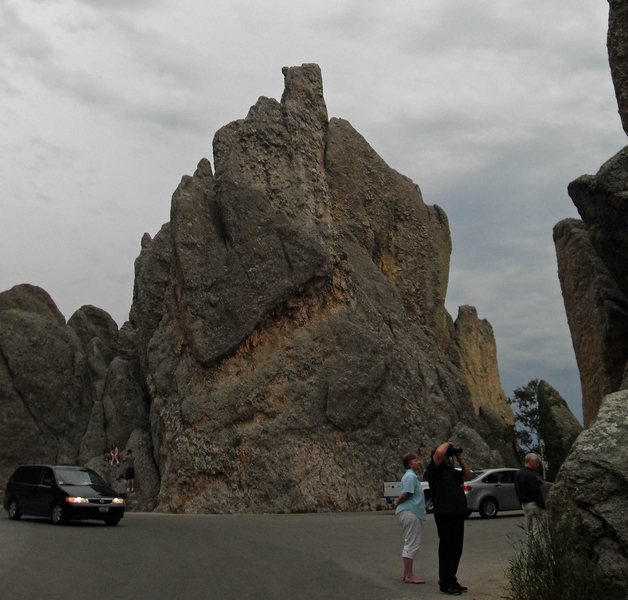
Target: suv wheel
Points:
x,y
14,509
488,508
57,514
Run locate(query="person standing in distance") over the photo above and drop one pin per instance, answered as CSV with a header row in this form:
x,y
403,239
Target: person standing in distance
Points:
x,y
410,511
129,470
450,511
529,492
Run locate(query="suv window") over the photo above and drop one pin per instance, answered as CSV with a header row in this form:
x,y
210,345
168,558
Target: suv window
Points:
x,y
27,475
491,478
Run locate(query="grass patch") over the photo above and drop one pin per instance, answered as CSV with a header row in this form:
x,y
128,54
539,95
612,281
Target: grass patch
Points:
x,y
556,562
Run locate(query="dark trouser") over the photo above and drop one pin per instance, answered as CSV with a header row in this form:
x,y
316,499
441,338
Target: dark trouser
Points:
x,y
451,536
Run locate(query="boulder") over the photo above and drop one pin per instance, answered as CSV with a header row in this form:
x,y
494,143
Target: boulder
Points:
x,y
594,478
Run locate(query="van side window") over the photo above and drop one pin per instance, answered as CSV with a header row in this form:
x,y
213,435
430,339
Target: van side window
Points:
x,y
27,475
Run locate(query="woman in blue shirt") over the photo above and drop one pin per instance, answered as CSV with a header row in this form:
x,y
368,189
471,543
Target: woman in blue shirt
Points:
x,y
410,511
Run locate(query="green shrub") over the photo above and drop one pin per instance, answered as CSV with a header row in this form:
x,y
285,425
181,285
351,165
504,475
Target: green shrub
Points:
x,y
555,562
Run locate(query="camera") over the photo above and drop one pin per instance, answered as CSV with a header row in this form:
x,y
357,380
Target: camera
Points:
x,y
453,450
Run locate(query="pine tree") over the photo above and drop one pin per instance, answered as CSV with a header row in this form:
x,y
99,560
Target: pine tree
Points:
x,y
525,403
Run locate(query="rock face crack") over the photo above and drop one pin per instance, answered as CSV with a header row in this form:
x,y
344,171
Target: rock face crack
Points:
x,y
220,224
286,255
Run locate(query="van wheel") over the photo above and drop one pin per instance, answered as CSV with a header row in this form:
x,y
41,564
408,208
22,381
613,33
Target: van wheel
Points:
x,y
112,522
57,514
488,508
14,510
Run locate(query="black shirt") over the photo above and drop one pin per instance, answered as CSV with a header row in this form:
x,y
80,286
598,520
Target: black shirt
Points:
x,y
446,488
528,487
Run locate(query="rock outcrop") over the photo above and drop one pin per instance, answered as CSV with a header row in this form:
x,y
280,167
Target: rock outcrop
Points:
x,y
66,389
597,314
475,353
557,427
602,202
478,362
595,479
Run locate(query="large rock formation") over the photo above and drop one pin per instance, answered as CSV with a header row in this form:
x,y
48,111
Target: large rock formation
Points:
x,y
288,338
557,427
291,319
593,271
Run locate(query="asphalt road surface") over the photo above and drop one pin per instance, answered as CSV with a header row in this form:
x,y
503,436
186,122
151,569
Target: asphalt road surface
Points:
x,y
270,557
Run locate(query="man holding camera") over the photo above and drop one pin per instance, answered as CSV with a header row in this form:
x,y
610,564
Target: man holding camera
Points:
x,y
450,511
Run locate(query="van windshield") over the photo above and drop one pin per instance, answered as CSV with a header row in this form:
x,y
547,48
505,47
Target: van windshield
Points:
x,y
70,476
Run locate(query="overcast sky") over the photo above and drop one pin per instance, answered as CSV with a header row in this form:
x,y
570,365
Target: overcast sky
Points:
x,y
491,107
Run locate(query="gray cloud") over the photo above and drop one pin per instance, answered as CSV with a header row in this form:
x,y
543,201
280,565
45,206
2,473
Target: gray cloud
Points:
x,y
118,5
492,108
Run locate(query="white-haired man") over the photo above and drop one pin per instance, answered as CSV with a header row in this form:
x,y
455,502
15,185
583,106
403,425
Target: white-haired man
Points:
x,y
528,490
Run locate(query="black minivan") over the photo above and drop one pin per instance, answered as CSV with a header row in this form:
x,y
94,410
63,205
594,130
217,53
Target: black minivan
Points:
x,y
61,492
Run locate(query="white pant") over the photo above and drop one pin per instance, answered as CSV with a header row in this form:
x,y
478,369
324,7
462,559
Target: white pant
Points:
x,y
532,512
412,527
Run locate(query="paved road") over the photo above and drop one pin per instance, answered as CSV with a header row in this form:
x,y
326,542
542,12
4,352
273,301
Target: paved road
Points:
x,y
270,557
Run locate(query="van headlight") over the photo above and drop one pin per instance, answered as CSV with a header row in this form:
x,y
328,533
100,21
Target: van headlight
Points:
x,y
117,501
76,500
